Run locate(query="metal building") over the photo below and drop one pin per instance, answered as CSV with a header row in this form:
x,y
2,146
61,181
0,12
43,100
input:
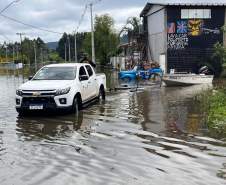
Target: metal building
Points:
x,y
181,35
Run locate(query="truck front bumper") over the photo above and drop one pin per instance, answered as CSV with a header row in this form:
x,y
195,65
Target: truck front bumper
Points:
x,y
41,103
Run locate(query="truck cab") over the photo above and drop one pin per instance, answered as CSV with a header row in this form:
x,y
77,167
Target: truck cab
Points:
x,y
60,86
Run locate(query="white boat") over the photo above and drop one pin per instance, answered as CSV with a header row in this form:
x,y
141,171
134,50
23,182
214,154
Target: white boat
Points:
x,y
186,79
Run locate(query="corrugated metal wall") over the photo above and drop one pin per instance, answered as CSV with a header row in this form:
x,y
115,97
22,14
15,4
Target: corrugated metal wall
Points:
x,y
191,41
156,32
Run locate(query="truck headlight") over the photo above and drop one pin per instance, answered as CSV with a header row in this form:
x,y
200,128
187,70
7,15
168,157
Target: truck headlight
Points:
x,y
19,92
63,91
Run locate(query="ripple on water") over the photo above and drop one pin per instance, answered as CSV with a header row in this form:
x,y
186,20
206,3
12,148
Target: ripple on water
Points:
x,y
132,138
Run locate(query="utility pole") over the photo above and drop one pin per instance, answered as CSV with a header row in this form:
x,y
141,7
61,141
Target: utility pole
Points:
x,y
65,52
6,53
92,33
13,54
17,53
13,60
76,56
42,57
21,45
69,48
35,56
21,49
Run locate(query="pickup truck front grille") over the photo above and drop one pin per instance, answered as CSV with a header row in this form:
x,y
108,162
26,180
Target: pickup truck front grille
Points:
x,y
38,100
35,93
47,102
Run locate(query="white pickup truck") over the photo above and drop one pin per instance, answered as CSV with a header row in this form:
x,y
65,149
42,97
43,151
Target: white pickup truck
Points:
x,y
60,86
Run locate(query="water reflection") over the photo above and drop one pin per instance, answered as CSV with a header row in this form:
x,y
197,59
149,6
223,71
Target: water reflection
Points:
x,y
41,127
156,134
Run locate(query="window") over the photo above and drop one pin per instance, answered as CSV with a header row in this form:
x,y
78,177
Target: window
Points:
x,y
192,13
184,13
195,13
90,71
207,13
56,73
82,71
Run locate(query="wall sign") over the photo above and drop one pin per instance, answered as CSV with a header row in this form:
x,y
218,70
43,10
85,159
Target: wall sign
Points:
x,y
182,26
195,27
171,28
177,41
215,31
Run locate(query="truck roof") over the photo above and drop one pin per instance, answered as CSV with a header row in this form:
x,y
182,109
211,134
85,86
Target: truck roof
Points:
x,y
67,65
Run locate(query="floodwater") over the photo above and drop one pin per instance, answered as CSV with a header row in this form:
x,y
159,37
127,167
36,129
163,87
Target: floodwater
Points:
x,y
156,136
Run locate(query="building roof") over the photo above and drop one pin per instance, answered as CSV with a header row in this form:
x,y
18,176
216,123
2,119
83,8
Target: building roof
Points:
x,y
182,3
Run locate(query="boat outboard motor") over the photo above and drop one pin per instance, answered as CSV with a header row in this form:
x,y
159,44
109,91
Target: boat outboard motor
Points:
x,y
204,70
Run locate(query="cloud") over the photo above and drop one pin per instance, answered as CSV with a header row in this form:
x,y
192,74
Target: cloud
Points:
x,y
61,16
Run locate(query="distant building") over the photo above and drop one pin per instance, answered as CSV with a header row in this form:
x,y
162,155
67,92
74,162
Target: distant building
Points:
x,y
181,34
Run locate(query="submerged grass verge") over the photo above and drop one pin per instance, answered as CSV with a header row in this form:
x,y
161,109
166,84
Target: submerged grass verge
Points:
x,y
213,104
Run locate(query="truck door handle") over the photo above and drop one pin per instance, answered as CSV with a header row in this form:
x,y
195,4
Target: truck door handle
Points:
x,y
89,82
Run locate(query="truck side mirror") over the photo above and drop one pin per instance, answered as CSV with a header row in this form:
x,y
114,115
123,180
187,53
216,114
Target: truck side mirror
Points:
x,y
30,77
83,77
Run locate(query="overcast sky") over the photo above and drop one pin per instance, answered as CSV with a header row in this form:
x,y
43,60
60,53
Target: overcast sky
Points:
x,y
61,16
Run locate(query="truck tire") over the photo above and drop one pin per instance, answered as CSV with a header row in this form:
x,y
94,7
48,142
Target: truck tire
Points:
x,y
20,111
76,105
101,93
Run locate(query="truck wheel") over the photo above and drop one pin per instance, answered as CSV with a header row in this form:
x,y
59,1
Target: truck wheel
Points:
x,y
101,94
76,105
20,112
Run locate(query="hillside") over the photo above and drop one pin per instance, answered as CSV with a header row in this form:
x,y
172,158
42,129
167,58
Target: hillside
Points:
x,y
52,45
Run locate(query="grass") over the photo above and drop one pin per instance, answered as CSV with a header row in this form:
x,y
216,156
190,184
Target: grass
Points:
x,y
217,113
213,104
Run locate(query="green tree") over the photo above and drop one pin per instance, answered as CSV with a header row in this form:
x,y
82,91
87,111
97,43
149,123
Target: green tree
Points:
x,y
218,59
106,39
132,28
64,41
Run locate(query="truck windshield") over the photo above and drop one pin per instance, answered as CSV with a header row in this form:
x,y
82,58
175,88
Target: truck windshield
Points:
x,y
56,73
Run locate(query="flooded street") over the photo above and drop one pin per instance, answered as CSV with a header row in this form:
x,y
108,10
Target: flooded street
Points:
x,y
156,136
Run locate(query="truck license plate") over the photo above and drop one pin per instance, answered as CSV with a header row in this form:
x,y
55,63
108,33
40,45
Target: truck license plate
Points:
x,y
36,107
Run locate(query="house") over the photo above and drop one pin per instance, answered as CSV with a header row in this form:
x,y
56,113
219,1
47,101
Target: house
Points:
x,y
180,35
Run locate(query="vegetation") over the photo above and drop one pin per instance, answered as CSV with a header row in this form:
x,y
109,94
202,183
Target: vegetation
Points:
x,y
217,113
64,41
214,105
218,60
106,45
106,39
131,29
11,51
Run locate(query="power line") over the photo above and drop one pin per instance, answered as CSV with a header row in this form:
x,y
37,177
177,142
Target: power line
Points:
x,y
29,25
10,4
4,36
43,29
84,12
20,22
82,18
79,24
95,2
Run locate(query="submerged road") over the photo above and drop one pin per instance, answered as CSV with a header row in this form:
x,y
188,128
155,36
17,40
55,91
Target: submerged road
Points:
x,y
152,137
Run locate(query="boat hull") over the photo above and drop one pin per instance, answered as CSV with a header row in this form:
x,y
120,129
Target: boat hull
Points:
x,y
187,80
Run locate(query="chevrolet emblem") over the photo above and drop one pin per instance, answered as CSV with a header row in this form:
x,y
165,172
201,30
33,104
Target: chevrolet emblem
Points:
x,y
36,94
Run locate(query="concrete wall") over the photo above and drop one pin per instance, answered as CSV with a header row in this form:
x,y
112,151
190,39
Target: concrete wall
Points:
x,y
156,18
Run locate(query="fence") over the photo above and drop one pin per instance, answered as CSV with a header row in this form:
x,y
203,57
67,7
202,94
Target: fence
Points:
x,y
11,68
